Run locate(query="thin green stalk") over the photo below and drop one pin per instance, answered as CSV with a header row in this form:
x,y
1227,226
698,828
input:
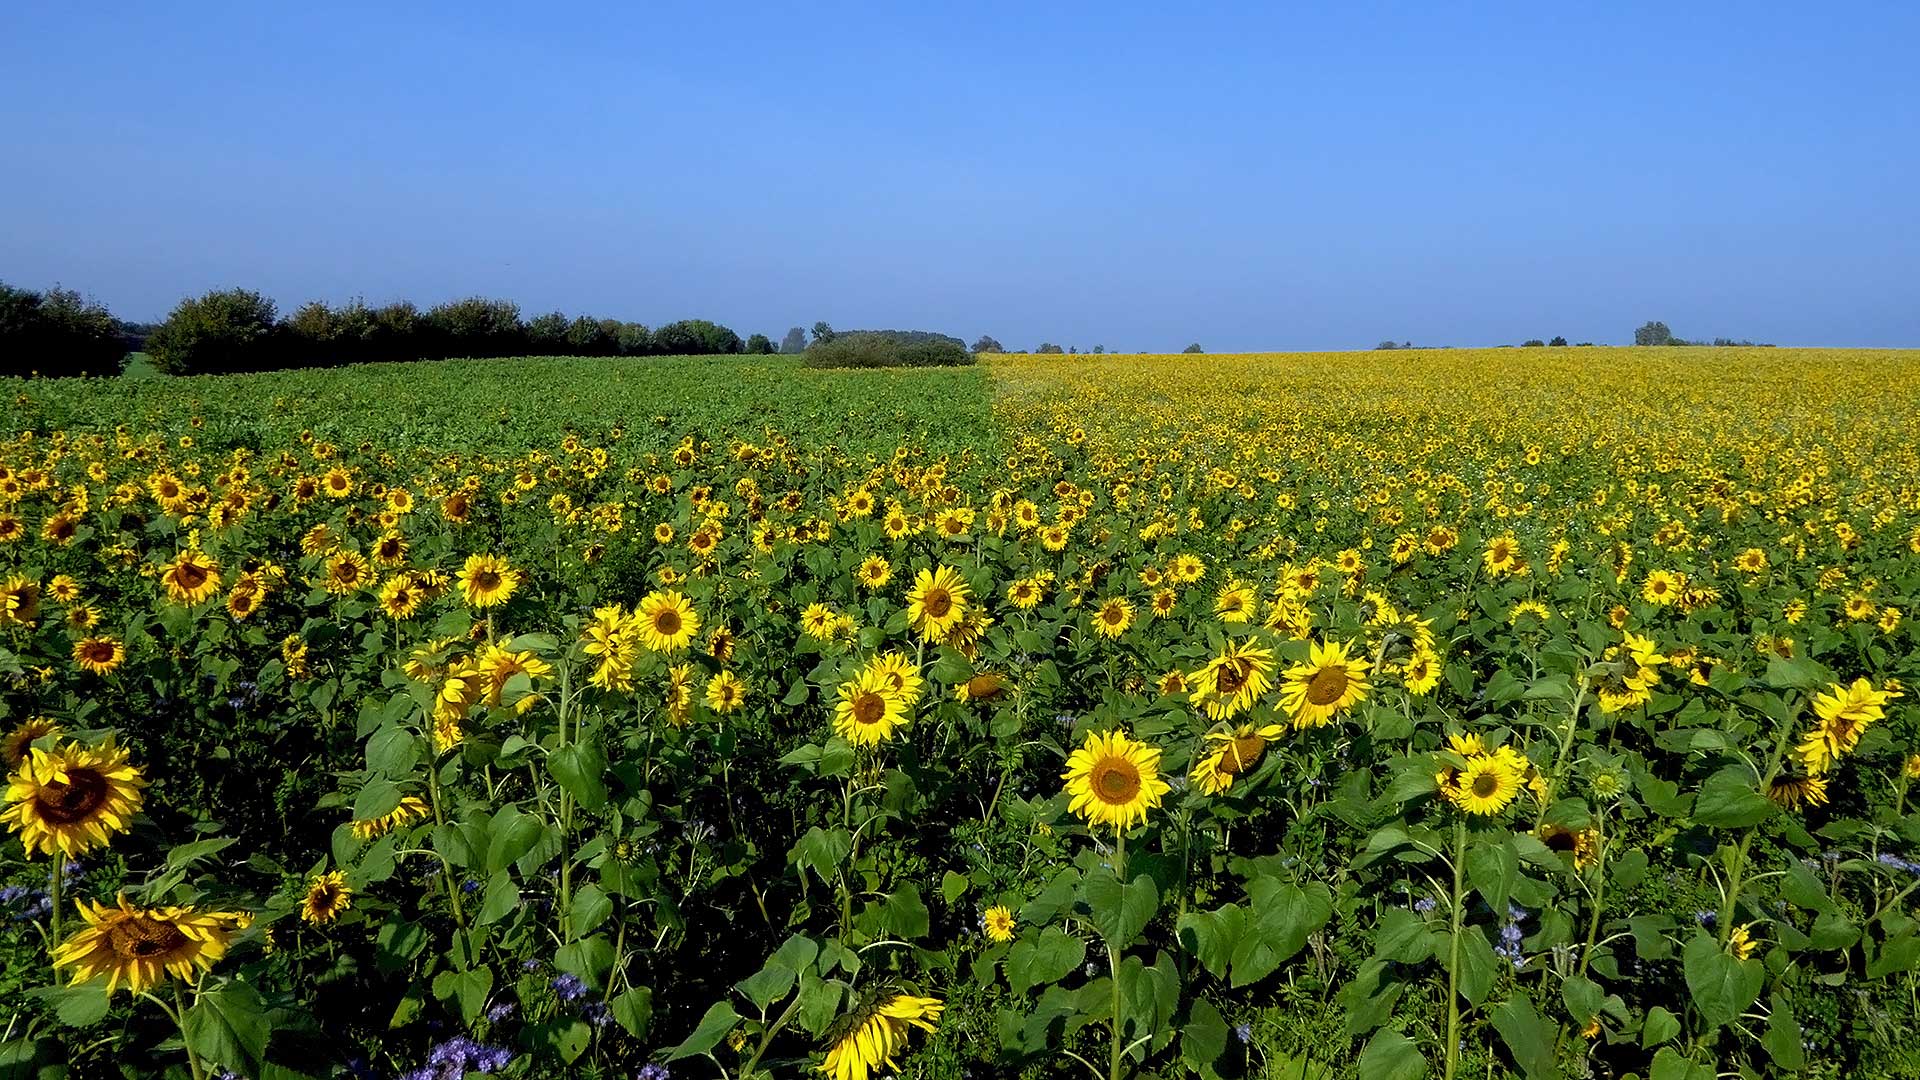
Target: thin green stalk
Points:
x,y
180,1021
1737,860
446,871
1453,959
53,894
1113,958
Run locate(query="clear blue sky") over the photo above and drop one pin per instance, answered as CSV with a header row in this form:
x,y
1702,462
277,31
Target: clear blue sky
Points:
x,y
1124,174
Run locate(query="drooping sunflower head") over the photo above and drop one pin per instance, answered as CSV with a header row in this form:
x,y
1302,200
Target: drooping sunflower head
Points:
x,y
73,798
1580,845
1114,780
874,1031
1790,789
136,947
14,749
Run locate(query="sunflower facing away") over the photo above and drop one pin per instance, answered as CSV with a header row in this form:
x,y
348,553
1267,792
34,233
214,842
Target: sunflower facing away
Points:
x,y
1114,780
1329,683
869,709
72,799
327,896
134,947
937,602
14,748
487,580
866,1039
666,621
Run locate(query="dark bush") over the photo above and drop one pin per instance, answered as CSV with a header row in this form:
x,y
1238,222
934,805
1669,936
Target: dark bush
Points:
x,y
59,332
867,349
634,339
476,327
547,334
760,345
695,337
226,330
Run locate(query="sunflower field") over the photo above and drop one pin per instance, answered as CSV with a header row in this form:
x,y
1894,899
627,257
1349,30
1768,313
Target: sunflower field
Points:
x,y
1535,713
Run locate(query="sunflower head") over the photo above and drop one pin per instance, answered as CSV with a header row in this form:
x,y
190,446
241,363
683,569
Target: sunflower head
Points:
x,y
326,897
137,947
73,798
1114,780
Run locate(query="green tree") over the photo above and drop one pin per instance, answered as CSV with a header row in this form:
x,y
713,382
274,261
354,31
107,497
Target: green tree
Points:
x,y
1653,333
223,331
822,332
795,341
1193,348
987,344
1558,342
760,345
547,334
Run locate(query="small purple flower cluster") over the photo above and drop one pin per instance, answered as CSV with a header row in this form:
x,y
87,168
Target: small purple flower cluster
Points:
x,y
571,990
1510,935
459,1056
1898,863
652,1072
25,904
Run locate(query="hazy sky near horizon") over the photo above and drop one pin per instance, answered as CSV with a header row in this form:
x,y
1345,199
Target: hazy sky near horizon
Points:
x,y
1131,175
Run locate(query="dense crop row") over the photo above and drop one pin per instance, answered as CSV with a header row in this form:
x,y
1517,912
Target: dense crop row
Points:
x,y
1489,713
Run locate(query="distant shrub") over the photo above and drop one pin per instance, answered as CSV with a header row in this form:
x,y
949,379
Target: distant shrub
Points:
x,y
58,332
226,330
867,349
476,326
695,337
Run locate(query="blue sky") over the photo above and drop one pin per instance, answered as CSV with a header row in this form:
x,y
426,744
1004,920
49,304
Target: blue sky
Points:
x,y
1132,175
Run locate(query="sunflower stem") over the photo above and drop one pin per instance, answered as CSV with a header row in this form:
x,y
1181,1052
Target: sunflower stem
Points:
x,y
1113,957
1737,855
1453,948
53,922
180,1020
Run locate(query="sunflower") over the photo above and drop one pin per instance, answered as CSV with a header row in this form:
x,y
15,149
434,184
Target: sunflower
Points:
x,y
874,572
1024,594
338,483
1230,683
72,799
14,748
345,572
135,947
1114,780
725,692
869,709
1113,617
983,686
1235,604
1663,587
818,620
190,578
487,581
1329,683
1582,845
937,602
1420,673
327,896
666,621
499,664
1503,556
1844,713
866,1039
1791,789
901,671
1230,754
997,923
412,808
1486,786
400,597
19,602
1740,942
390,550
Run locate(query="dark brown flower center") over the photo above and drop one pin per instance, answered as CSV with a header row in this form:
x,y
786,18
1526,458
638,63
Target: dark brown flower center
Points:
x,y
189,576
486,581
1115,780
937,602
1327,686
869,707
667,622
138,937
1485,784
100,652
982,687
74,801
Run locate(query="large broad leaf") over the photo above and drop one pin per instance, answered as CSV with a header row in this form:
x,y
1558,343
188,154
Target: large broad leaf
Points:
x,y
1391,1056
714,1026
1729,800
821,851
1403,937
228,1027
1494,869
1203,1038
1120,912
1722,986
1527,1037
1211,936
1045,960
511,834
1782,1040
1283,917
633,1010
581,769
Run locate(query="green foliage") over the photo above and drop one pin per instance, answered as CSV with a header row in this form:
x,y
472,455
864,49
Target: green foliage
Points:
x,y
58,332
227,330
886,348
